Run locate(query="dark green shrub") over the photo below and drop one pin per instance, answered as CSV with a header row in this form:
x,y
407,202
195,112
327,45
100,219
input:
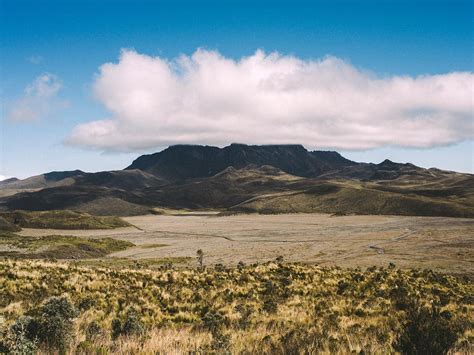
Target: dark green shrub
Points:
x,y
428,331
220,342
56,323
270,306
342,286
116,328
21,338
86,303
245,312
131,325
93,331
219,267
213,321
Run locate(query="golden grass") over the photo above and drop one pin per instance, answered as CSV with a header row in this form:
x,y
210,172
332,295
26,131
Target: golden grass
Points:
x,y
267,308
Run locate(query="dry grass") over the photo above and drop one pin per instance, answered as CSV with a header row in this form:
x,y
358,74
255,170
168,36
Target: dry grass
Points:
x,y
273,308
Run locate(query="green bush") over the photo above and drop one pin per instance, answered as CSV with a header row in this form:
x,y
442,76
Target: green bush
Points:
x,y
131,325
56,323
428,331
93,331
213,321
21,338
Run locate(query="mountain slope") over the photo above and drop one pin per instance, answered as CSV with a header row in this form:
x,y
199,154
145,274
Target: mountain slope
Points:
x,y
262,179
54,178
181,162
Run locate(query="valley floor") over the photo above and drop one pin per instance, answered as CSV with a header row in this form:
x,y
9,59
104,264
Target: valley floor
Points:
x,y
443,244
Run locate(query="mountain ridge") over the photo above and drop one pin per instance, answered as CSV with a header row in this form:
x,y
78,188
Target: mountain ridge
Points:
x,y
249,178
193,161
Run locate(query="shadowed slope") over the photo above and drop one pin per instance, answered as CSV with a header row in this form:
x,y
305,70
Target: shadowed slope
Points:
x,y
263,179
193,161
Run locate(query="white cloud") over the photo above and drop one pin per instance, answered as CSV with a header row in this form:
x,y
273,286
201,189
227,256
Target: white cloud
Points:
x,y
39,99
35,59
209,99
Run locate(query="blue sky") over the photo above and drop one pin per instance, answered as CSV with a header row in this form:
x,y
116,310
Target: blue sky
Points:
x,y
70,40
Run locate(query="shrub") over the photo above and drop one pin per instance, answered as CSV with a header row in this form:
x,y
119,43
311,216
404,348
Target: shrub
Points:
x,y
245,312
220,342
93,330
131,325
56,323
213,321
270,306
428,331
116,328
21,338
200,258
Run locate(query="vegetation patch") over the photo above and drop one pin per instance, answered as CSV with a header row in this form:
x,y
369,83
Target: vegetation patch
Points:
x,y
274,308
61,220
135,264
6,226
152,246
58,246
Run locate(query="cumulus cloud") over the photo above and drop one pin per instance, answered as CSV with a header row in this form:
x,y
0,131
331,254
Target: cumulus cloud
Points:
x,y
39,99
207,98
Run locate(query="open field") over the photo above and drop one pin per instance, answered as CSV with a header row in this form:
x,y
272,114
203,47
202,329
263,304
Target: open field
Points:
x,y
444,244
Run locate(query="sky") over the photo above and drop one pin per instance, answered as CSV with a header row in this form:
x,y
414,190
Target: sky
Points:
x,y
92,85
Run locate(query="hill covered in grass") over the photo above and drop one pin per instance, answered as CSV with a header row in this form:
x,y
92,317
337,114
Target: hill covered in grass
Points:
x,y
58,246
275,308
59,220
6,226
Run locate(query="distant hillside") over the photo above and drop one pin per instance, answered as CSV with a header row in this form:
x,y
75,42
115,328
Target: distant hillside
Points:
x,y
8,181
251,179
194,161
54,178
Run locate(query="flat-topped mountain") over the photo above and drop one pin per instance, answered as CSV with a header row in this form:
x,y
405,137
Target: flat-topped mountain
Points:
x,y
249,178
196,161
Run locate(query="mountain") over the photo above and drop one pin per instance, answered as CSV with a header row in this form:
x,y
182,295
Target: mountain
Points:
x,y
248,178
38,182
8,181
182,162
51,179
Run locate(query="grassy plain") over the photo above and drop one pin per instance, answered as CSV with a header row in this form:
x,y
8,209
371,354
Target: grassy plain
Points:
x,y
280,284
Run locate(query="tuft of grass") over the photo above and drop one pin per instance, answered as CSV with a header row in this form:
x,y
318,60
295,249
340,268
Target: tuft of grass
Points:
x,y
62,220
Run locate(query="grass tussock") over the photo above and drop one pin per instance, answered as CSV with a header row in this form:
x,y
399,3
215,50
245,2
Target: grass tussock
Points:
x,y
61,220
275,308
